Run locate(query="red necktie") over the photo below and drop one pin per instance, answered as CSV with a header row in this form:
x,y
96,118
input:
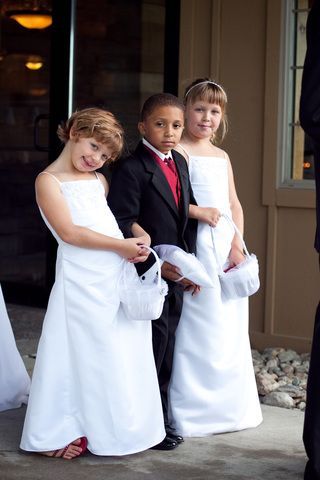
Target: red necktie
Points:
x,y
170,163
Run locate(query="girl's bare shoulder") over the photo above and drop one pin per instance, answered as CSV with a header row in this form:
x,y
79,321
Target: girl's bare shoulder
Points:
x,y
104,181
179,148
46,176
50,173
219,152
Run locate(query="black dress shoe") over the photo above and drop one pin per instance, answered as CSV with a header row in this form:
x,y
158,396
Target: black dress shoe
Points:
x,y
167,444
177,438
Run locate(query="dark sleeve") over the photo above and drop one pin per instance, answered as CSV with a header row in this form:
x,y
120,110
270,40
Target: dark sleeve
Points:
x,y
192,223
124,196
192,198
124,201
184,165
310,89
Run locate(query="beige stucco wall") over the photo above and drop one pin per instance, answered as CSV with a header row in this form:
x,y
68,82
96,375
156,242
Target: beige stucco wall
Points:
x,y
238,44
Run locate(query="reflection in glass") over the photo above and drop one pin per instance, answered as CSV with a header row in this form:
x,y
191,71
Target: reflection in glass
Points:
x,y
24,95
119,56
302,150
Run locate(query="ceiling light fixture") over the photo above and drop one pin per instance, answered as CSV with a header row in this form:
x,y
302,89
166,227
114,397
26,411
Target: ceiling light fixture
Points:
x,y
38,19
31,65
34,62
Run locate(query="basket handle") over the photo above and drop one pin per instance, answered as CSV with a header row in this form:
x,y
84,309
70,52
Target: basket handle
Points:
x,y
157,259
237,231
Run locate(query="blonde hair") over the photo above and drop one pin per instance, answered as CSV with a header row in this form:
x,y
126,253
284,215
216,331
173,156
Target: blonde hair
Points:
x,y
209,91
95,123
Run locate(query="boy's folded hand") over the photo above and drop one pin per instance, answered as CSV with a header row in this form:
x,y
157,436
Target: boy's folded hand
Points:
x,y
171,272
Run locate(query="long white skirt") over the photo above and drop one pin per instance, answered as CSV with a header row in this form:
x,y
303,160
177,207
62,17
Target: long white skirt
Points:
x,y
14,379
94,374
213,388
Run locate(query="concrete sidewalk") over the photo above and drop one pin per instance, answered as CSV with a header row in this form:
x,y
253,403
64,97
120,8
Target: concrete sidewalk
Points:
x,y
273,451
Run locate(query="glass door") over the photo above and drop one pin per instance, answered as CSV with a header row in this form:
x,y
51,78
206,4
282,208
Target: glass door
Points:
x,y
24,108
120,56
107,53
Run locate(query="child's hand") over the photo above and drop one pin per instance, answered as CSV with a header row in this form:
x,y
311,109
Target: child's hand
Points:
x,y
236,256
210,215
171,272
145,240
190,286
132,249
144,253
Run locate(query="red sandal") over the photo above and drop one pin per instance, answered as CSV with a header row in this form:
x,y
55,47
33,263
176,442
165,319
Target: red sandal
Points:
x,y
83,445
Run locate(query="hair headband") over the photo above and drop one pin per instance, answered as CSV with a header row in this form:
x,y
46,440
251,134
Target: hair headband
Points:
x,y
203,83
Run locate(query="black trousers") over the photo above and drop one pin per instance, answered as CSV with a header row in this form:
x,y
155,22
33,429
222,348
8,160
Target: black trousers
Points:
x,y
163,339
311,430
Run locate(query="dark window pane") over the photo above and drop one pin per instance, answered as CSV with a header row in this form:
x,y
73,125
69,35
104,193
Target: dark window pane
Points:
x,y
119,56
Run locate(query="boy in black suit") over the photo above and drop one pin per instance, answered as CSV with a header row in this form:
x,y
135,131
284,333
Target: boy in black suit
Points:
x,y
310,122
150,193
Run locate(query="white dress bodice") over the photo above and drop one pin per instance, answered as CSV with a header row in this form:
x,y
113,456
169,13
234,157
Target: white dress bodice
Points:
x,y
206,173
88,208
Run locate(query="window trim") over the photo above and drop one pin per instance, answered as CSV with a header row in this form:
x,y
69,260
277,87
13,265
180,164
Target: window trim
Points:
x,y
286,104
273,193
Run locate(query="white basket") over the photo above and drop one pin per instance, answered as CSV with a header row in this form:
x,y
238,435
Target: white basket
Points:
x,y
241,280
140,301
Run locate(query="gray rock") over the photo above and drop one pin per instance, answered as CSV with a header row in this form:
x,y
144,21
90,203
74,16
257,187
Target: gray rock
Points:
x,y
278,399
304,368
276,370
296,381
281,371
296,363
292,390
255,354
305,357
271,352
266,383
301,406
286,380
273,362
287,369
303,377
283,382
288,356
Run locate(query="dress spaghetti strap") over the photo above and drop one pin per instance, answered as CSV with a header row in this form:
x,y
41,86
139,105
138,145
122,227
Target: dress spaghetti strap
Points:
x,y
97,177
185,151
101,183
51,175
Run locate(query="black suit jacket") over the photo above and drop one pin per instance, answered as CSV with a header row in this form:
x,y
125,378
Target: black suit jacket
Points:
x,y
140,192
310,98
